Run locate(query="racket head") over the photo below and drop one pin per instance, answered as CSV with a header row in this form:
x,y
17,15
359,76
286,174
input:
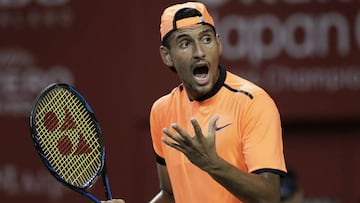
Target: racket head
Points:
x,y
67,136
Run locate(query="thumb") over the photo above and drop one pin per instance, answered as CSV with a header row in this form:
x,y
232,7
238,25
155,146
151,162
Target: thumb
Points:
x,y
212,125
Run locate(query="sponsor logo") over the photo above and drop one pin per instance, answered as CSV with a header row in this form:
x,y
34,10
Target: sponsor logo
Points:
x,y
222,126
21,79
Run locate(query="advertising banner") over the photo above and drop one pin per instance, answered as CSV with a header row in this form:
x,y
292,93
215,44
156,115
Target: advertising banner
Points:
x,y
304,53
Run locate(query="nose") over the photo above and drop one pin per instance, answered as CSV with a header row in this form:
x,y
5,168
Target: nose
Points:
x,y
198,50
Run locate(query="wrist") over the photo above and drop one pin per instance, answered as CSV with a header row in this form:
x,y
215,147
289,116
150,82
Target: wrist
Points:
x,y
214,165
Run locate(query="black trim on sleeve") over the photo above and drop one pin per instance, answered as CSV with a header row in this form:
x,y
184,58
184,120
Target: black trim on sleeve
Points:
x,y
160,160
270,170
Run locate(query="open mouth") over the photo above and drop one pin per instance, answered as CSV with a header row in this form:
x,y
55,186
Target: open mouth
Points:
x,y
201,74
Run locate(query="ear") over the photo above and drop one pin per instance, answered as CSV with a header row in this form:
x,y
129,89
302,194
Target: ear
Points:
x,y
219,43
165,56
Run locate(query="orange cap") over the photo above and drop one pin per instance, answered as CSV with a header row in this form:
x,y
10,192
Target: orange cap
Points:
x,y
167,19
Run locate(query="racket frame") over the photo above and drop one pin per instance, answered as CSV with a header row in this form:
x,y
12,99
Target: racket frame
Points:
x,y
34,135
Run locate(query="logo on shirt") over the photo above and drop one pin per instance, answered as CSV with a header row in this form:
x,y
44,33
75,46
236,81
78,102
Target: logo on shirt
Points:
x,y
221,127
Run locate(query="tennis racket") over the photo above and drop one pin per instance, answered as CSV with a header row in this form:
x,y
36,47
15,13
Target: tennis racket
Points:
x,y
68,139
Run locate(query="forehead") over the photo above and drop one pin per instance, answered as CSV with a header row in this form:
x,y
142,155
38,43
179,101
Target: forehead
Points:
x,y
192,31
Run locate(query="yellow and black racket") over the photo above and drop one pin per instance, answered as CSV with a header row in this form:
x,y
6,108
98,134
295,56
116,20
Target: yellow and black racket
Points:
x,y
68,139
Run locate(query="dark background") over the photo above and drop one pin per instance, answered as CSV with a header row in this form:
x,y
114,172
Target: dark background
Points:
x,y
305,54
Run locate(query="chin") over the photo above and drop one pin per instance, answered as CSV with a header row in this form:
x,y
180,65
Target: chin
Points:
x,y
203,90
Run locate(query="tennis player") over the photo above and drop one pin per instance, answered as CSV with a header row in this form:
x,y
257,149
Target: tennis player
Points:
x,y
217,137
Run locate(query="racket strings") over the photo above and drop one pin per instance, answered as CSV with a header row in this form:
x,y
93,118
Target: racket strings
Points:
x,y
74,174
69,137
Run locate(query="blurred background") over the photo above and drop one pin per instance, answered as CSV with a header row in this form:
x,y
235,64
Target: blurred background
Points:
x,y
305,53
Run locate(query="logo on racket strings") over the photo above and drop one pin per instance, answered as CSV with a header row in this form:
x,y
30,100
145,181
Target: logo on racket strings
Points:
x,y
65,145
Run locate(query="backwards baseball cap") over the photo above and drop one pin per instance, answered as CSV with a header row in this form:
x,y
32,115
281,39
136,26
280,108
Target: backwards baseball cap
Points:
x,y
170,22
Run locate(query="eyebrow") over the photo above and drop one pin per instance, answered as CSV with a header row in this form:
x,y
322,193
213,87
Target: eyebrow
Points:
x,y
181,36
186,35
205,31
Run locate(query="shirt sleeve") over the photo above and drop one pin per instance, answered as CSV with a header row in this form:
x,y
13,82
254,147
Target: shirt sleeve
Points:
x,y
156,129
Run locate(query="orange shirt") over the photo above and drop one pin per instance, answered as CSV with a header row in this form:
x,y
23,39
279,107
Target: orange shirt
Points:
x,y
248,135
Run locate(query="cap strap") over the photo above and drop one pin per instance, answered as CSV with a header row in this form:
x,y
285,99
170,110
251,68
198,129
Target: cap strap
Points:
x,y
188,21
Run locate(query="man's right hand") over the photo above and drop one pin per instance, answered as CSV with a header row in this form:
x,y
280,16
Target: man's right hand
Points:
x,y
114,201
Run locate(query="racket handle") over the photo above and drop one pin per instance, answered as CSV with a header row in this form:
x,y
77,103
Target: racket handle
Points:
x,y
106,184
88,195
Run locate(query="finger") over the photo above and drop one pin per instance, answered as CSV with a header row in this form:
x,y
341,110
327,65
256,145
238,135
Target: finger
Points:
x,y
196,127
171,135
212,125
172,144
114,201
185,138
181,142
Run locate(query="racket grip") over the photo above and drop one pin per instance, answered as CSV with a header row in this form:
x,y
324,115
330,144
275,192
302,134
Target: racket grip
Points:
x,y
106,184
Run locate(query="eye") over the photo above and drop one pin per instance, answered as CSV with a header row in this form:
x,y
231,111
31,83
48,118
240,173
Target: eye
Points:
x,y
184,44
206,39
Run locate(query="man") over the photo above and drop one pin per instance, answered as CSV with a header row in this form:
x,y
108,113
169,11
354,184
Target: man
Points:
x,y
223,140
217,137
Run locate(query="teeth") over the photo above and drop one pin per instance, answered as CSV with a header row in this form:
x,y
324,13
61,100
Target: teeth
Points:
x,y
202,77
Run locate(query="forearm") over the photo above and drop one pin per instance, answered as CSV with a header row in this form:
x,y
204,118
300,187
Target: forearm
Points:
x,y
248,187
163,197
